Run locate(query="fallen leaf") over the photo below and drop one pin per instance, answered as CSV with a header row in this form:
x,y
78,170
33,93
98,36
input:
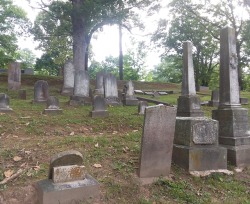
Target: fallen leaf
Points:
x,y
15,136
27,123
135,130
72,133
25,117
97,165
23,164
27,152
8,173
17,158
36,168
96,145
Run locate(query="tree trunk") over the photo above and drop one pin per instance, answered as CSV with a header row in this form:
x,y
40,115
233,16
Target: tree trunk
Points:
x,y
87,58
239,66
120,53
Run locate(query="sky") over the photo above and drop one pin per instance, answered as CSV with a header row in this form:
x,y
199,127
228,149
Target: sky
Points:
x,y
104,43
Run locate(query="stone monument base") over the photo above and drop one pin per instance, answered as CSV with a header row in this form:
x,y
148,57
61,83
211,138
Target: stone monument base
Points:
x,y
113,101
97,114
83,191
130,102
213,103
79,100
52,111
189,106
200,158
6,110
67,91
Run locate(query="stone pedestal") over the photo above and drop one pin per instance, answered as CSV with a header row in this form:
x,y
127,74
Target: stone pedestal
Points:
x,y
189,106
234,134
130,102
81,191
214,99
196,144
99,107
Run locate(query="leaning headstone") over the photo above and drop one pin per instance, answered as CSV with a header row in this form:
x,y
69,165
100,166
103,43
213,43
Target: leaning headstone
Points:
x,y
196,138
141,107
129,96
110,90
99,89
67,182
52,106
214,98
14,76
99,107
4,103
68,78
233,119
157,143
81,89
41,91
22,94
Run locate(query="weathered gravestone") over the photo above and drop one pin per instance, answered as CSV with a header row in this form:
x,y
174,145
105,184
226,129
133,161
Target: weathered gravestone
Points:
x,y
196,138
99,89
81,94
67,182
22,94
68,78
233,119
41,91
4,103
214,98
155,95
156,143
110,90
243,101
14,76
52,106
99,107
129,96
141,107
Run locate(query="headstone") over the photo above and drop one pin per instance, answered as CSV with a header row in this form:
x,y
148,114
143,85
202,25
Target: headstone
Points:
x,y
139,92
68,78
214,98
196,137
233,119
81,89
162,92
41,91
4,103
141,107
67,182
22,94
110,90
29,71
148,93
52,106
99,107
99,89
14,76
243,101
156,94
129,98
188,102
157,143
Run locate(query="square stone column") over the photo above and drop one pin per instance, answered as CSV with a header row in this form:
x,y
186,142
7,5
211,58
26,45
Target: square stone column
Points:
x,y
233,119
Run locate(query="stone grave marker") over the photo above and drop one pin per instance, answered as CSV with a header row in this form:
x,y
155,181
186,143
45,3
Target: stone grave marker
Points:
x,y
81,89
233,119
41,91
67,182
138,92
14,76
110,90
4,103
157,143
243,101
162,92
155,95
196,137
129,98
22,94
214,98
68,78
52,106
141,107
99,107
99,89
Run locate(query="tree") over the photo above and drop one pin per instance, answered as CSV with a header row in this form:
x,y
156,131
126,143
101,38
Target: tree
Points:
x,y
13,22
27,58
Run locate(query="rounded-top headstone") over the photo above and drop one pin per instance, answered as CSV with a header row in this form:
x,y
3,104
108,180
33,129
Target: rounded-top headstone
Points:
x,y
66,158
52,102
4,100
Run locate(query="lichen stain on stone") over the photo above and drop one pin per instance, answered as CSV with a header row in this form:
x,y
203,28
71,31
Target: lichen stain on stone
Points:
x,y
76,172
195,158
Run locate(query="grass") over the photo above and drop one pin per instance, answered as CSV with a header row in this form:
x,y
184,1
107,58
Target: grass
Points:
x,y
113,142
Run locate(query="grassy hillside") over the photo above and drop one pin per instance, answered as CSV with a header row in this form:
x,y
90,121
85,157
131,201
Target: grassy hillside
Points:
x,y
112,142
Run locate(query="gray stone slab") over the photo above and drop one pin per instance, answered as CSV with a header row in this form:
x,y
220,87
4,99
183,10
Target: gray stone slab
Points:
x,y
148,92
138,92
110,90
41,91
68,78
65,158
141,107
163,93
82,191
157,141
14,76
4,103
238,155
62,174
81,85
99,88
99,107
